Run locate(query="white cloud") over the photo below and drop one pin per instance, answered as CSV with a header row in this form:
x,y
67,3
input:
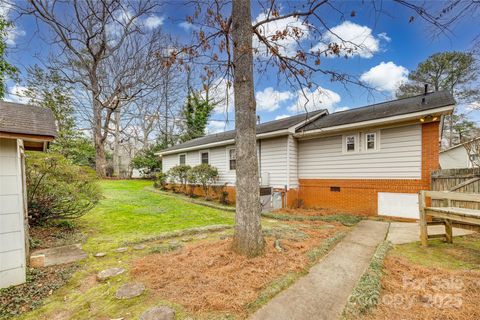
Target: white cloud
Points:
x,y
296,32
282,116
353,40
386,76
12,32
187,26
220,93
384,36
17,94
153,22
215,126
270,99
319,98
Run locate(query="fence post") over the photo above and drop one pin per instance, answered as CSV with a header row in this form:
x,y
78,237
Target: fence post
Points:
x,y
423,219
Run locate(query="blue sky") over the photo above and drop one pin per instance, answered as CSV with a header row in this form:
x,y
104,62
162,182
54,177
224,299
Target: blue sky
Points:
x,y
393,48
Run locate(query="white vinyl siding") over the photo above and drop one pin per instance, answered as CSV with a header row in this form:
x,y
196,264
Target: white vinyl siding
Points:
x,y
292,154
12,233
274,160
399,156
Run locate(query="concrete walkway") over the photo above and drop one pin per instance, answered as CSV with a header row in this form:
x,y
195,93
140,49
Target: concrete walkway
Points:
x,y
324,291
407,232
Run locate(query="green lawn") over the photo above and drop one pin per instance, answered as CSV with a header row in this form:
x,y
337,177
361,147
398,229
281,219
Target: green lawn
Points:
x,y
129,212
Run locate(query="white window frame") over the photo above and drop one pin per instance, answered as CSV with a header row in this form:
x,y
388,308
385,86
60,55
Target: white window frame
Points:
x,y
200,156
376,141
228,158
344,143
182,154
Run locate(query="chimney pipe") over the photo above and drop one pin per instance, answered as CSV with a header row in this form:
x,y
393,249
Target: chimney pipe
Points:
x,y
426,88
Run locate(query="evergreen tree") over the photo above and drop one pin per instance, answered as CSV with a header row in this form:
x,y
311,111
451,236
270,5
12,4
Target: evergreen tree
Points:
x,y
196,113
7,71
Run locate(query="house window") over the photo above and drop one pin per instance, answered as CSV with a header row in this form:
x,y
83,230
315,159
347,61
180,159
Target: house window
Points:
x,y
371,141
204,157
350,143
232,159
182,158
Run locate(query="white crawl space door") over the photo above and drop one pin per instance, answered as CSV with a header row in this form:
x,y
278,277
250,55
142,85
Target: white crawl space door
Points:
x,y
402,205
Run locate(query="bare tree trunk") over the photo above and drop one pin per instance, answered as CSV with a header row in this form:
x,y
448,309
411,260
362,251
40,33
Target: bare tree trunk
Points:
x,y
116,145
248,239
450,134
100,158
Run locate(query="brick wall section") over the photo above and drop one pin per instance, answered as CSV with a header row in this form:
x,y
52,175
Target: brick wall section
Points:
x,y
359,196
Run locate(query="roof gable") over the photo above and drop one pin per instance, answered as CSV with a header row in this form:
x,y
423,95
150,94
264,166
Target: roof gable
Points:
x,y
386,109
26,119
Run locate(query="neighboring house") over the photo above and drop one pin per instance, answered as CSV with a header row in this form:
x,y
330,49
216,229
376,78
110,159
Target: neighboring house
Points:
x,y
370,160
457,157
22,127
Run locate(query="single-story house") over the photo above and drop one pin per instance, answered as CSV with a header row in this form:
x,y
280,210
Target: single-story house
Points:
x,y
22,127
457,157
371,160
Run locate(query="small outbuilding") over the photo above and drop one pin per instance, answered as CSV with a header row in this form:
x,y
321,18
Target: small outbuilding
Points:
x,y
458,157
22,127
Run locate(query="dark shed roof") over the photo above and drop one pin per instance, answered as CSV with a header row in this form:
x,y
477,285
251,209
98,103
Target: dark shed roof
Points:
x,y
266,127
383,110
26,119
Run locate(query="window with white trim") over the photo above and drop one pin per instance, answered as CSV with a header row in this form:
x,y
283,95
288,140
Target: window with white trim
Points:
x,y
182,158
232,159
204,157
351,143
370,141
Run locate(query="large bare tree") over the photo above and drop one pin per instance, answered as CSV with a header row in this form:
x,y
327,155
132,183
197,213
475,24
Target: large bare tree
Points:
x,y
105,48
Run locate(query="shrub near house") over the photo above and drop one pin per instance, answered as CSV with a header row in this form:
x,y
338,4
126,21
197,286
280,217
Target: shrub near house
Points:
x,y
58,189
188,177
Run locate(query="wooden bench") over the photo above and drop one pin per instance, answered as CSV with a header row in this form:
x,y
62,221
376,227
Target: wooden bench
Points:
x,y
447,215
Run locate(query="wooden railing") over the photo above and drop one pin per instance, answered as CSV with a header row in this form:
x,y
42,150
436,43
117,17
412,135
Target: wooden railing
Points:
x,y
449,214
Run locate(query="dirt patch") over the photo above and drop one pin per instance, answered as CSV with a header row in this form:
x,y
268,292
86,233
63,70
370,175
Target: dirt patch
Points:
x,y
54,236
411,291
209,277
40,284
306,212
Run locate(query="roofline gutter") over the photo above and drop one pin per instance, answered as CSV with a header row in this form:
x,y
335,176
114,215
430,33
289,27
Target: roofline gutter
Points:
x,y
224,142
355,125
290,130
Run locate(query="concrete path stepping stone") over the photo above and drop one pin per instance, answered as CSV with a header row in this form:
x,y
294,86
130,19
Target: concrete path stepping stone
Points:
x,y
158,313
123,249
100,254
58,255
130,290
109,273
139,247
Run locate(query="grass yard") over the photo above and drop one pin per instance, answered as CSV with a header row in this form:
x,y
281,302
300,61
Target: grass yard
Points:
x,y
441,281
129,213
184,260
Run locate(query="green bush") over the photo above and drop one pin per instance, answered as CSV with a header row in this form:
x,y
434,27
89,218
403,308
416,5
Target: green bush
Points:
x,y
160,180
179,175
147,161
206,175
58,189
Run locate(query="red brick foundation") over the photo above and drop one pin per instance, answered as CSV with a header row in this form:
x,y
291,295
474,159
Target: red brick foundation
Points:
x,y
359,196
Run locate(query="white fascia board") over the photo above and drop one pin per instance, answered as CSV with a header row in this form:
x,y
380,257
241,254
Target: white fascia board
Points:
x,y
223,143
389,120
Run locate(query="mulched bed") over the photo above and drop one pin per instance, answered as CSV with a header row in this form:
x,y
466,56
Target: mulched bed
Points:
x,y
209,277
40,284
50,236
411,291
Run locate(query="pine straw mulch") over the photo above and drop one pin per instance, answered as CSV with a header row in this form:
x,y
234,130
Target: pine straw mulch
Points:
x,y
209,277
412,291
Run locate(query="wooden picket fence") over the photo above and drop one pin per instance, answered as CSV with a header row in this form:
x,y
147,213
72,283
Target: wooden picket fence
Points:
x,y
457,180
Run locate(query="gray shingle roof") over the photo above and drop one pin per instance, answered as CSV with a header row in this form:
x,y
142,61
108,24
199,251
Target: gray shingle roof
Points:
x,y
383,110
266,127
376,111
26,119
